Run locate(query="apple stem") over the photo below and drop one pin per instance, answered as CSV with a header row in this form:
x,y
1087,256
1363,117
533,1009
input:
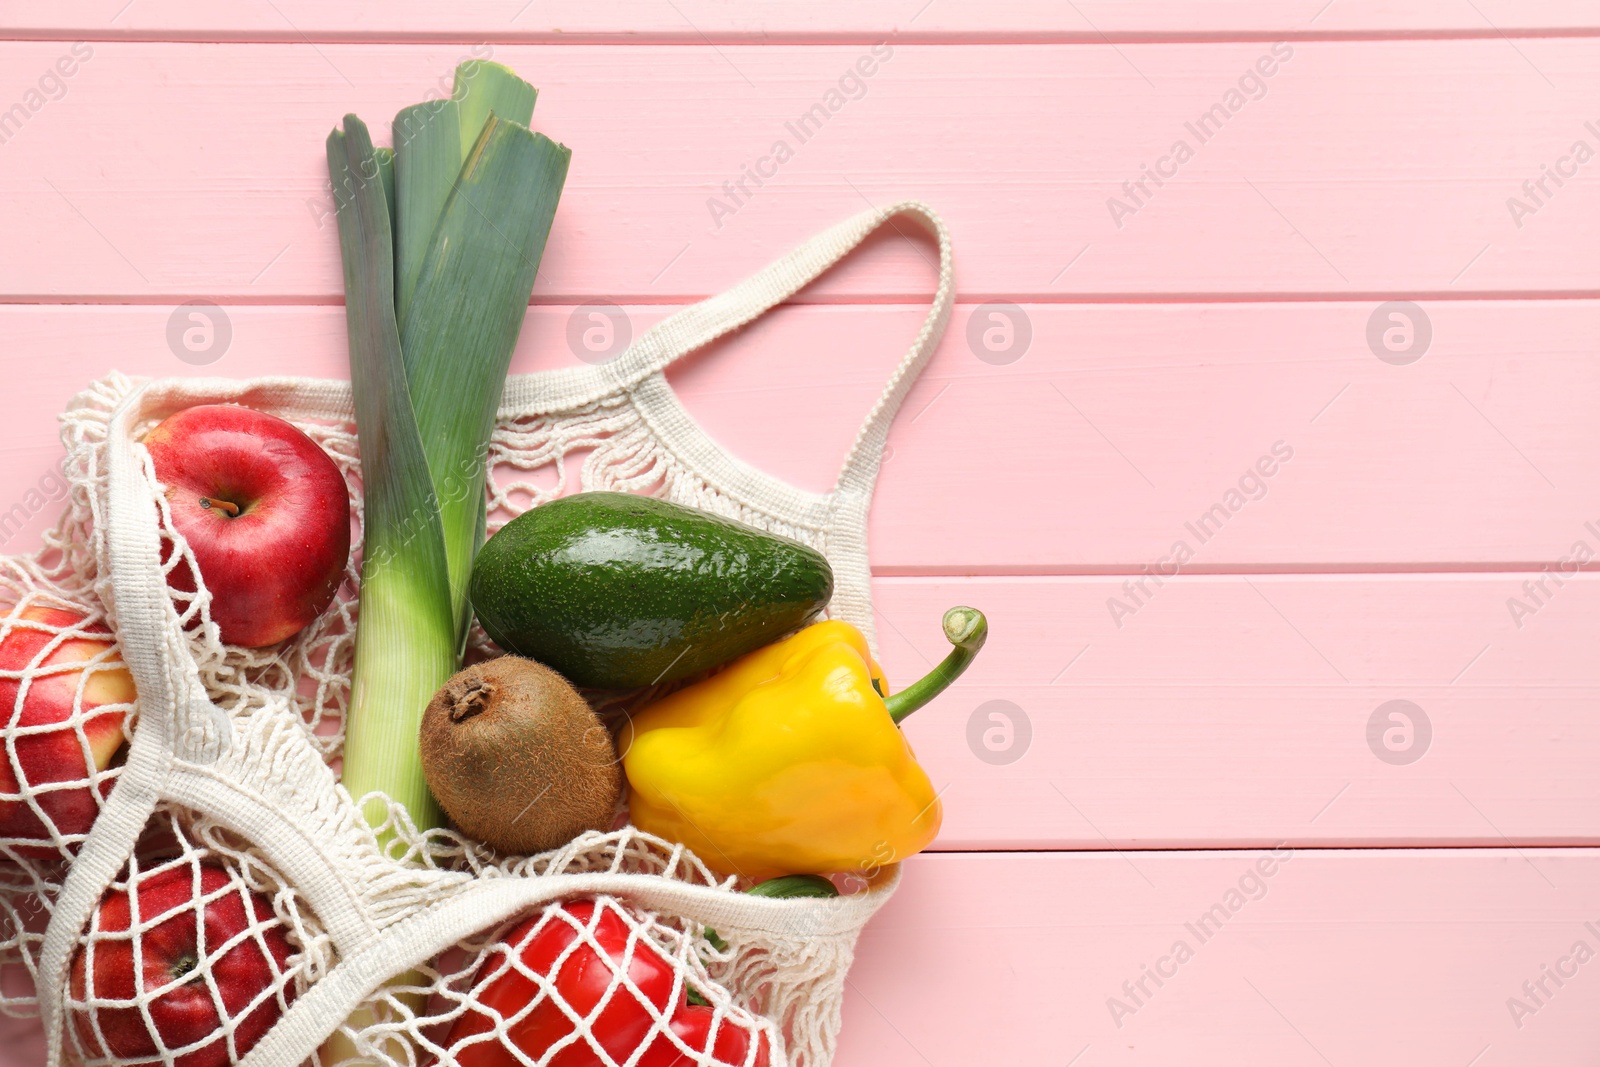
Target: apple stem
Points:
x,y
226,505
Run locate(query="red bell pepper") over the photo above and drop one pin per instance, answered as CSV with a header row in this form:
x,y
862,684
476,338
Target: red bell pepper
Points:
x,y
581,977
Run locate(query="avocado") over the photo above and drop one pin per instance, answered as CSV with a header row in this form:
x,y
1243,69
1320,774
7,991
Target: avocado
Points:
x,y
617,591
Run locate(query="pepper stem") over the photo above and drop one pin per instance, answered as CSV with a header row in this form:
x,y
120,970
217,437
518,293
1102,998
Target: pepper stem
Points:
x,y
966,629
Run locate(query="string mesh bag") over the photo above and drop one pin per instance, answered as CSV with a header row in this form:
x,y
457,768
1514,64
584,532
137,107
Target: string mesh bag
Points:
x,y
67,701
386,944
217,936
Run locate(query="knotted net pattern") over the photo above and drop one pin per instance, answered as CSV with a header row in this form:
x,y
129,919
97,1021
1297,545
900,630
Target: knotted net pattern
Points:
x,y
233,942
393,948
286,705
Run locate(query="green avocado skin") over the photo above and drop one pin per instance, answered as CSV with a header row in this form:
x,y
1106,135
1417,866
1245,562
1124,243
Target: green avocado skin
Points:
x,y
616,591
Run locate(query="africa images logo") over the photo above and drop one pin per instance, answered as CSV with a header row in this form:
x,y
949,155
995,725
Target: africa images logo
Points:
x,y
51,85
1252,85
1538,191
850,85
1250,887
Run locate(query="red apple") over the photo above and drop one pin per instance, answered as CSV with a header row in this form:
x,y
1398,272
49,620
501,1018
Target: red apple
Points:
x,y
265,511
45,755
186,929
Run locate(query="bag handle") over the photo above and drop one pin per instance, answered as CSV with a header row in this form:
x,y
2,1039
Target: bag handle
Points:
x,y
860,470
699,324
851,499
845,510
858,477
145,625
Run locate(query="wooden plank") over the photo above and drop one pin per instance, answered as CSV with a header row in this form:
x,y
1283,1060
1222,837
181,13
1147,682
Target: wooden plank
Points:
x,y
1106,444
697,20
1391,959
1210,709
1239,710
172,170
1014,959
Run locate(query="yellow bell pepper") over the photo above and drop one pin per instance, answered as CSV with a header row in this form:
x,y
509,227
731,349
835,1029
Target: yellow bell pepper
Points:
x,y
790,760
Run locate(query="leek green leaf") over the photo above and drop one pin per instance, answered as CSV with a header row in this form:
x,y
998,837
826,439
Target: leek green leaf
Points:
x,y
428,160
385,158
482,88
462,323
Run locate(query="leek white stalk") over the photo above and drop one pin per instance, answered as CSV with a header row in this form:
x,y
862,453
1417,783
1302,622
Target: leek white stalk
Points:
x,y
441,239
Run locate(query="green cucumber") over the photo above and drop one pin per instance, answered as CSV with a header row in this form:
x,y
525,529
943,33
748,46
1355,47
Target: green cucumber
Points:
x,y
791,886
788,887
616,591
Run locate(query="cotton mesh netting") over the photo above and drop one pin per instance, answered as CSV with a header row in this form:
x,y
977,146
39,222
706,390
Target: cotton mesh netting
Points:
x,y
219,941
615,982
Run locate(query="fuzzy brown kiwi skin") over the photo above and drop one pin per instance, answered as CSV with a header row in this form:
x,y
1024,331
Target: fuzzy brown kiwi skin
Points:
x,y
517,758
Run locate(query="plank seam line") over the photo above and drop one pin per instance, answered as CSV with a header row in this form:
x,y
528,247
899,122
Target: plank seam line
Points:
x,y
842,299
1356,571
695,39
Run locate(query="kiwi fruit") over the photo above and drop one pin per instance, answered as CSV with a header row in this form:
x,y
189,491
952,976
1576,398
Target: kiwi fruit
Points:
x,y
517,758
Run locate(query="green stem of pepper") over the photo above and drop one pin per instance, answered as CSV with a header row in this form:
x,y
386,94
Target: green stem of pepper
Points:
x,y
966,629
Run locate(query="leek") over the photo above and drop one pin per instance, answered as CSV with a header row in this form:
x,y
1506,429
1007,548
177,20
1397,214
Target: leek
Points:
x,y
405,640
441,241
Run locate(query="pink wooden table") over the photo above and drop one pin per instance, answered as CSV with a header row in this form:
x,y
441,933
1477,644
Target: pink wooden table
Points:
x,y
1193,345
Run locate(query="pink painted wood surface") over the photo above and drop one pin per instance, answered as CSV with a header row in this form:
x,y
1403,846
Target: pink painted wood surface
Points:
x,y
1231,705
1391,959
1397,958
1159,715
1097,450
697,20
148,181
1233,710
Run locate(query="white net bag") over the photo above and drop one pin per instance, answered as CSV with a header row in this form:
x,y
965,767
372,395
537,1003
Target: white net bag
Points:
x,y
194,951
232,874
